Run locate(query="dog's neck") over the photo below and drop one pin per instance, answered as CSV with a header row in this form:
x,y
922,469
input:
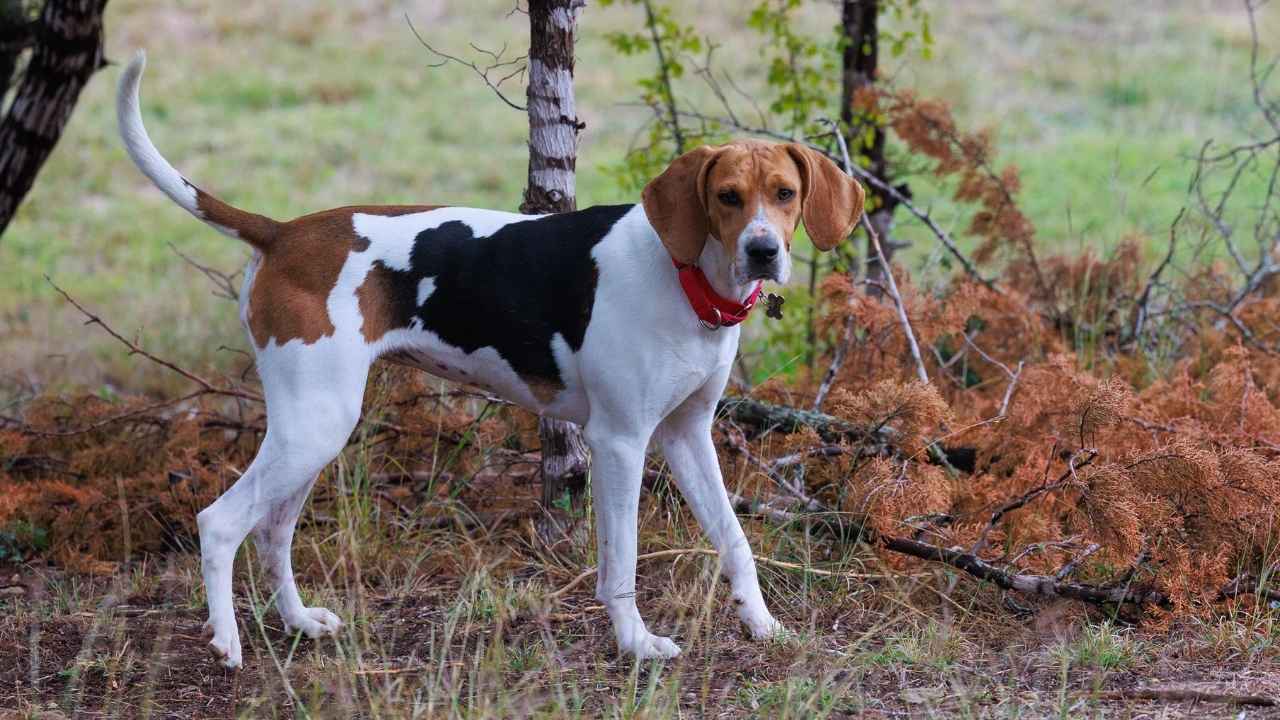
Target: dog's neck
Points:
x,y
718,267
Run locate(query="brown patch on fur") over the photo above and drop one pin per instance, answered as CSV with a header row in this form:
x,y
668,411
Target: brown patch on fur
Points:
x,y
755,172
377,312
833,201
298,271
257,230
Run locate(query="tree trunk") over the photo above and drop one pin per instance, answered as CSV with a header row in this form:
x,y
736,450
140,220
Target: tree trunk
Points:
x,y
553,118
858,70
553,153
17,33
68,50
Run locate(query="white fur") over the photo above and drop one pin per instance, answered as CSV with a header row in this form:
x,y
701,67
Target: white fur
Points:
x,y
144,152
758,226
647,368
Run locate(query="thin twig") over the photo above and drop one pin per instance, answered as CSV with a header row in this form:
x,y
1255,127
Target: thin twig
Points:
x,y
1186,695
1014,375
128,415
1071,566
897,301
1008,392
846,333
837,361
483,73
1140,316
1067,476
224,283
664,79
134,349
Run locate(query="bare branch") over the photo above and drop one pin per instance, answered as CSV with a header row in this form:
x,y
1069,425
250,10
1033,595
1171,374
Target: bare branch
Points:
x,y
1071,566
1187,694
846,334
897,301
1008,392
969,562
837,361
206,386
482,73
224,283
1144,298
1066,478
664,77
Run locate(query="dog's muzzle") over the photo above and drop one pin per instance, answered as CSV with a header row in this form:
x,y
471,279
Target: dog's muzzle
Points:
x,y
763,258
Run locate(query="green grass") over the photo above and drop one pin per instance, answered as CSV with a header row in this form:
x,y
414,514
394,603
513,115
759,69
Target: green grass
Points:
x,y
285,109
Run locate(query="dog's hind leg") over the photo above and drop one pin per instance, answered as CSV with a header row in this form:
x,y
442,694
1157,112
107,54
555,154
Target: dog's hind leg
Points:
x,y
274,539
313,397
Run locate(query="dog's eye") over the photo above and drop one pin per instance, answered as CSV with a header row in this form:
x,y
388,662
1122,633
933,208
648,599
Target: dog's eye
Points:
x,y
730,198
785,194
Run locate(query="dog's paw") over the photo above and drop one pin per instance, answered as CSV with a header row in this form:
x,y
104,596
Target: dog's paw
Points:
x,y
647,646
225,646
314,622
764,627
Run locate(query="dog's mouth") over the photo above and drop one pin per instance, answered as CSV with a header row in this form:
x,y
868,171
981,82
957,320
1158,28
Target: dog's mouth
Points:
x,y
751,274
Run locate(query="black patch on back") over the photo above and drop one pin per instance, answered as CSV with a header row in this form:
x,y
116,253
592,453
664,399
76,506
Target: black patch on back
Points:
x,y
512,290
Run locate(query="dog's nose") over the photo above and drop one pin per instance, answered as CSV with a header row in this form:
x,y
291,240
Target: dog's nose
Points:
x,y
762,250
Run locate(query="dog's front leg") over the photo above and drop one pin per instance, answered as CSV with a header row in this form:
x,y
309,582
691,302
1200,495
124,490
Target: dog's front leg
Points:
x,y
617,461
685,437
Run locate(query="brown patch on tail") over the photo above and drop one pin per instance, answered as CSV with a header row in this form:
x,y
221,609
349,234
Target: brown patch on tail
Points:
x,y
299,269
257,230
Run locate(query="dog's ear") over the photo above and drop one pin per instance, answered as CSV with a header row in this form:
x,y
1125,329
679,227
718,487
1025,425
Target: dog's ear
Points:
x,y
676,203
831,201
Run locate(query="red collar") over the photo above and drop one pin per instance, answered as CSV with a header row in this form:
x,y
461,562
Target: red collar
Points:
x,y
713,310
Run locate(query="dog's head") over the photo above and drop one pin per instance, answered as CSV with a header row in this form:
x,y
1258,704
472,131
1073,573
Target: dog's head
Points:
x,y
750,196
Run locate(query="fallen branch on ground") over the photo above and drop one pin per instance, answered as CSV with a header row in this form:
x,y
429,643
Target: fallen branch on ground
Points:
x,y
1030,584
763,417
1187,695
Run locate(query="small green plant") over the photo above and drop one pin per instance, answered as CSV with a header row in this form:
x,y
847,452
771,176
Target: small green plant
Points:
x,y
1101,647
795,697
933,645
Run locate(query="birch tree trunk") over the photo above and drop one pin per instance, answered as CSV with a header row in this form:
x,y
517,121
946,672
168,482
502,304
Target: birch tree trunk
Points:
x,y
67,52
858,70
553,154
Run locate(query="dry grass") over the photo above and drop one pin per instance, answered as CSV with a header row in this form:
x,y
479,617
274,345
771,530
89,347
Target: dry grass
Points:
x,y
456,622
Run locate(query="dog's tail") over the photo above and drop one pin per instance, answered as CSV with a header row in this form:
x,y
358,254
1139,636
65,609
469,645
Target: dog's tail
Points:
x,y
257,230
